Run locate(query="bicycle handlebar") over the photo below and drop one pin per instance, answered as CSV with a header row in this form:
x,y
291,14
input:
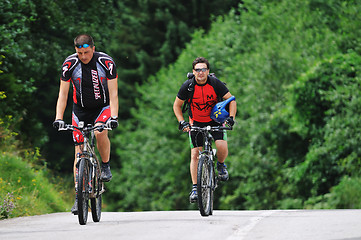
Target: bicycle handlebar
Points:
x,y
210,128
69,127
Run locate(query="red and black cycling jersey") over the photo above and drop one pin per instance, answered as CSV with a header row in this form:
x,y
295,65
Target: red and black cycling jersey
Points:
x,y
204,98
90,86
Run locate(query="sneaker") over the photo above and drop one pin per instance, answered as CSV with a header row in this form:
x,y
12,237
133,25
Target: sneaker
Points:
x,y
193,196
222,171
74,209
106,175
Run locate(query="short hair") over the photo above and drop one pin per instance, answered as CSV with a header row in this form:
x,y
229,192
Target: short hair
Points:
x,y
200,60
84,39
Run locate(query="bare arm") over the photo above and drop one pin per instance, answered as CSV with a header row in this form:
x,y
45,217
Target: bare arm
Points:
x,y
232,105
62,99
177,108
113,96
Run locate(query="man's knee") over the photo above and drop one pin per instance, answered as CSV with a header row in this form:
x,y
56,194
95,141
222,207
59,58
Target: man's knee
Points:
x,y
222,148
221,144
194,154
101,135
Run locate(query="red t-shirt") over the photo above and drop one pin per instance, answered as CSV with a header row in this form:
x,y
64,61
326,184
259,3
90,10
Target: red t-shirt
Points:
x,y
204,98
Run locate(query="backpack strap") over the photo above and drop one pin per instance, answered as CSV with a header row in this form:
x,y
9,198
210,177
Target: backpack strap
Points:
x,y
187,102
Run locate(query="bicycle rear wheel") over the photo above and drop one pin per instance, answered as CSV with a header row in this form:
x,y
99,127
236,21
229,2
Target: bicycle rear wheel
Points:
x,y
83,191
204,186
96,202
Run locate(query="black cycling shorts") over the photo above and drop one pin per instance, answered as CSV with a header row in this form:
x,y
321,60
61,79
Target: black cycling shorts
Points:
x,y
88,116
196,138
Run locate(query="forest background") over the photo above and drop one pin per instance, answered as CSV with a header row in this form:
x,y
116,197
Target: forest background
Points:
x,y
294,67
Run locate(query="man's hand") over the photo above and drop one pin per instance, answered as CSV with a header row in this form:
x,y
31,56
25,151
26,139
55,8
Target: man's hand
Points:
x,y
183,125
58,124
230,121
113,123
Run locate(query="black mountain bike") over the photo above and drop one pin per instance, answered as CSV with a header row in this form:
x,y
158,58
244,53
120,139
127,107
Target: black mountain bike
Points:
x,y
89,186
206,176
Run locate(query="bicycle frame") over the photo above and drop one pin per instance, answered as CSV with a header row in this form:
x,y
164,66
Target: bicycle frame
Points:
x,y
206,177
88,184
208,138
88,152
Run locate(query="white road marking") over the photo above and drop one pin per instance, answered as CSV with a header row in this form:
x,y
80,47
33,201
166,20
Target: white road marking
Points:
x,y
242,231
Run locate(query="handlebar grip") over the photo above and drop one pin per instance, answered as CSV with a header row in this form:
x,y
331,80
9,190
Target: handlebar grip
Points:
x,y
65,128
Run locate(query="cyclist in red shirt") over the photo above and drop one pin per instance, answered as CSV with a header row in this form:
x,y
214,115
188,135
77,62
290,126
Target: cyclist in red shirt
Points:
x,y
95,97
206,91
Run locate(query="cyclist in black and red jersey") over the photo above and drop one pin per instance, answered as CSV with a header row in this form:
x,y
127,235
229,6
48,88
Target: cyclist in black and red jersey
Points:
x,y
205,91
95,97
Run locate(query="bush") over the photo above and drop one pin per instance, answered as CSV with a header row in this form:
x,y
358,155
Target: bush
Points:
x,y
326,108
26,185
346,194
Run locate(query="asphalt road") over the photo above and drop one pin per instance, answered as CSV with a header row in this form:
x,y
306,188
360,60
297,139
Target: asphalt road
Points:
x,y
189,225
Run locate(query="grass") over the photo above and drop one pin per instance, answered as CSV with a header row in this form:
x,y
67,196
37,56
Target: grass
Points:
x,y
27,187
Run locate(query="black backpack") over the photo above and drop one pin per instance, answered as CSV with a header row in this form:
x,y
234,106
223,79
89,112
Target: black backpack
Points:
x,y
191,83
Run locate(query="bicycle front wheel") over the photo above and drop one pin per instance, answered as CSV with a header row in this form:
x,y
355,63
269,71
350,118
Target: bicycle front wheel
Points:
x,y
96,202
83,191
204,186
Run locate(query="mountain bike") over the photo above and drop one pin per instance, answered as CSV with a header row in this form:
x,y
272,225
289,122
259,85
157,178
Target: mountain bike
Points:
x,y
88,183
207,181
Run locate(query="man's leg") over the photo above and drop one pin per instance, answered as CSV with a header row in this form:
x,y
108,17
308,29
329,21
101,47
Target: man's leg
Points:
x,y
194,163
74,209
193,169
77,150
222,153
103,145
222,150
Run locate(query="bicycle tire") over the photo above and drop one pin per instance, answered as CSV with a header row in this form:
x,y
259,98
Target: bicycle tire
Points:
x,y
83,191
214,183
212,187
204,186
96,202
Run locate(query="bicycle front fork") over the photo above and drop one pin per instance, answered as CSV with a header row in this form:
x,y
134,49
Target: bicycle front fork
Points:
x,y
77,173
90,175
214,175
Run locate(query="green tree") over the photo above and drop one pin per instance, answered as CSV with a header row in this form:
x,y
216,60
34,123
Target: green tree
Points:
x,y
331,123
36,36
259,50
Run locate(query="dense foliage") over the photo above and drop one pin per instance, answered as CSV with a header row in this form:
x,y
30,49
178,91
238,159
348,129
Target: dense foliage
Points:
x,y
294,68
37,35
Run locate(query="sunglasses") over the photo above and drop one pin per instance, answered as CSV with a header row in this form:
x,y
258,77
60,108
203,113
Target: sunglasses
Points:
x,y
84,46
201,69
